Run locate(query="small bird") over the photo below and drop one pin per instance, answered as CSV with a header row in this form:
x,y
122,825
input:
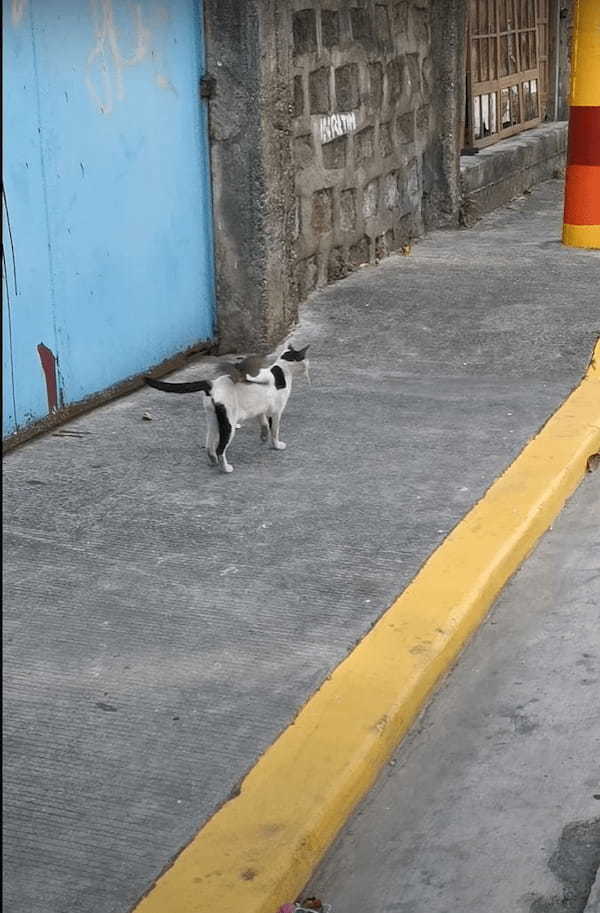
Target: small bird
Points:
x,y
246,370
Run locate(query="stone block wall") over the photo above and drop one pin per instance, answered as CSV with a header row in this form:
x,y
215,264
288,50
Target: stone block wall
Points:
x,y
335,136
362,126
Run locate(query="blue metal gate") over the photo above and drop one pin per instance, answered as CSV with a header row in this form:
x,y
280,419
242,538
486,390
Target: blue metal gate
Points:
x,y
106,207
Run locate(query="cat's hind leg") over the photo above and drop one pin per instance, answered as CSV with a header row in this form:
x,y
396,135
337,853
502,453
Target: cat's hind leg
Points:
x,y
274,421
264,427
226,435
212,437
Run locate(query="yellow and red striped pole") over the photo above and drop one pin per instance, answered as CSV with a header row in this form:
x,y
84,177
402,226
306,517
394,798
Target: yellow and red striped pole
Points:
x,y
582,184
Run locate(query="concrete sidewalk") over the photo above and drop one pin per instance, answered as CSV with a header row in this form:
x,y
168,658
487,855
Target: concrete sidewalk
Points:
x,y
491,803
164,623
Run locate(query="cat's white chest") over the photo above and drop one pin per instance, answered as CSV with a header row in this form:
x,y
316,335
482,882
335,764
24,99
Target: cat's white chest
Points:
x,y
253,400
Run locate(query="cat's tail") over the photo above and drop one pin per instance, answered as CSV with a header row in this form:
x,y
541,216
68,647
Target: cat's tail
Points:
x,y
194,386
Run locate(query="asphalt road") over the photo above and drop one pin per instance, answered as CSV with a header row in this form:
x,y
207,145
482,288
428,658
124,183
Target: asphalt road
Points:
x,y
492,803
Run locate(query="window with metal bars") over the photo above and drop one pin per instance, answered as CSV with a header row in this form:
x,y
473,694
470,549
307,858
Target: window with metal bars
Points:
x,y
507,68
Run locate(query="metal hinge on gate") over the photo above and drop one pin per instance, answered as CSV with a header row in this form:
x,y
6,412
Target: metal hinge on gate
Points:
x,y
208,86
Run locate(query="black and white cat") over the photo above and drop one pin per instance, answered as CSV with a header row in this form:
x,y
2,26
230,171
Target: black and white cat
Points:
x,y
229,404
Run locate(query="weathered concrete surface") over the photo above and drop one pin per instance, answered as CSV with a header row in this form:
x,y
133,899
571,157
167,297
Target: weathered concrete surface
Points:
x,y
492,802
506,170
593,904
163,623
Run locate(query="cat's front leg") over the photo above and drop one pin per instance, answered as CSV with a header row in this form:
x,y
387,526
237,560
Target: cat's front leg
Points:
x,y
226,425
225,466
276,444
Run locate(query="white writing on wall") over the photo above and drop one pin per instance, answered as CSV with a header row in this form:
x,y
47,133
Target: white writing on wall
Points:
x,y
18,10
333,125
104,86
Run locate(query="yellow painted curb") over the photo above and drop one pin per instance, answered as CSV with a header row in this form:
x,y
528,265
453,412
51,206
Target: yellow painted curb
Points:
x,y
261,847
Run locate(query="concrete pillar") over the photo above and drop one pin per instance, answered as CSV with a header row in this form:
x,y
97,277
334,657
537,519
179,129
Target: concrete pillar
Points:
x,y
582,189
253,189
443,196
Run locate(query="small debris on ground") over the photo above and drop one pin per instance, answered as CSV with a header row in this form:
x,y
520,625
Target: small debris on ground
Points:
x,y
593,462
147,417
406,250
308,905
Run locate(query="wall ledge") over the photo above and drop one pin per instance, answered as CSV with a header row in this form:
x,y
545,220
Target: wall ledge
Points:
x,y
504,171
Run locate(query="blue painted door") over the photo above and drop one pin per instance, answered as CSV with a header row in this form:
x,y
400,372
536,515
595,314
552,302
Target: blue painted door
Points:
x,y
106,206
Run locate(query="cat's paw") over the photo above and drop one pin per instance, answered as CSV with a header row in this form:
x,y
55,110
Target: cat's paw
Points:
x,y
264,433
279,445
212,458
227,468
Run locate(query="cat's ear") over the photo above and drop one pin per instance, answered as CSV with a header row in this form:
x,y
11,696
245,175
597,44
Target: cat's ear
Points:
x,y
292,354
